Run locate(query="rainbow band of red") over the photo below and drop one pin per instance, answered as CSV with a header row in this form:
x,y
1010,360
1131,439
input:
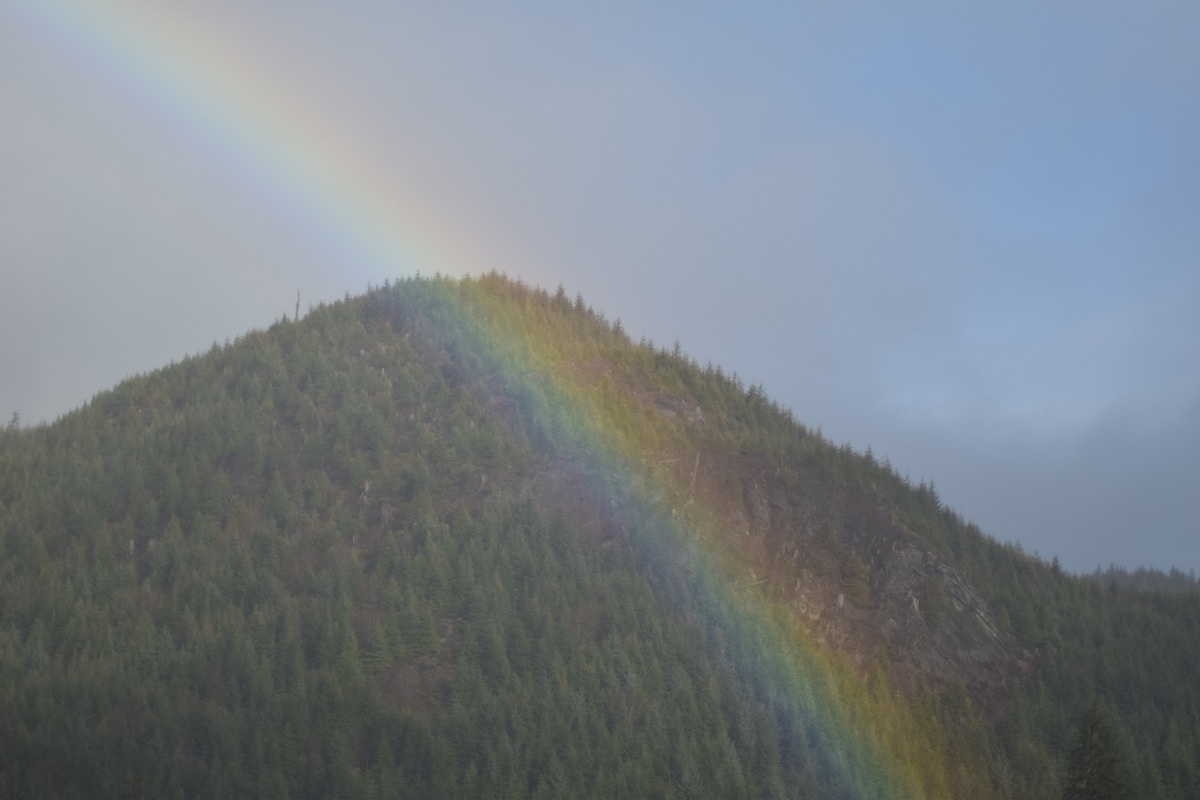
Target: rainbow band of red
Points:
x,y
267,137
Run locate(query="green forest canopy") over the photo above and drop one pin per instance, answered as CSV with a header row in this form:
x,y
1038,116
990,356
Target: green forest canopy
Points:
x,y
322,560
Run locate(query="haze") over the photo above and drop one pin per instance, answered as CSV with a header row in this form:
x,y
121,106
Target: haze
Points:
x,y
964,238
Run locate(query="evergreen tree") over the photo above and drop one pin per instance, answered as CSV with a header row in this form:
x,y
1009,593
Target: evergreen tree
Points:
x,y
454,538
1093,772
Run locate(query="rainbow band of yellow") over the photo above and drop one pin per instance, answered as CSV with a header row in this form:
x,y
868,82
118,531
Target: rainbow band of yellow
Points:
x,y
300,164
783,666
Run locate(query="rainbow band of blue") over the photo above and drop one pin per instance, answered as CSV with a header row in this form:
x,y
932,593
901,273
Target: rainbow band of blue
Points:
x,y
785,669
295,160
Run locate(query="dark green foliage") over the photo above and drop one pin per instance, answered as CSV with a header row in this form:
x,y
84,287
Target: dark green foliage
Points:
x,y
298,566
1093,771
321,561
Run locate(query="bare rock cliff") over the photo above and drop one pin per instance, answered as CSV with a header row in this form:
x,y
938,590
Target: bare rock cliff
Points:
x,y
857,580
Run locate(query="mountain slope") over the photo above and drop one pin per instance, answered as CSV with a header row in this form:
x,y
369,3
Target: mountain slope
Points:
x,y
465,537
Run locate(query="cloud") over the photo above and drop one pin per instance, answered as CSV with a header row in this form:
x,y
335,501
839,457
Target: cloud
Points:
x,y
1114,492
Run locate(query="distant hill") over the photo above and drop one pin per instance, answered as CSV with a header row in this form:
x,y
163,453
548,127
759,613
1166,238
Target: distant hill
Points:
x,y
464,538
1148,580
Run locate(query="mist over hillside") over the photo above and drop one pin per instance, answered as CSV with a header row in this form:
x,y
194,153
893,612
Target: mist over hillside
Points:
x,y
458,537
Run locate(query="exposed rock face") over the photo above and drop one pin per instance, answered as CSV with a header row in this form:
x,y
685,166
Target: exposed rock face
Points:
x,y
857,580
934,624
853,576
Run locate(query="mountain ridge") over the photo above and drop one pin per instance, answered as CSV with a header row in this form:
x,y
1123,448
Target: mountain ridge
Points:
x,y
341,471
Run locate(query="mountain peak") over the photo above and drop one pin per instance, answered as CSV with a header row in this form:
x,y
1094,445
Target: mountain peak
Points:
x,y
458,536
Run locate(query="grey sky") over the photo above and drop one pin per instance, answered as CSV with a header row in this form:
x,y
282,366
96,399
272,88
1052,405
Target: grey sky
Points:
x,y
966,239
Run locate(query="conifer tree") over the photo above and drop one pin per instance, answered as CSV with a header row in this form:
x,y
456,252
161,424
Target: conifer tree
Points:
x,y
1092,771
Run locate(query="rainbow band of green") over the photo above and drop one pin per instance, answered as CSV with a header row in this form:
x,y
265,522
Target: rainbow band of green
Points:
x,y
785,669
301,166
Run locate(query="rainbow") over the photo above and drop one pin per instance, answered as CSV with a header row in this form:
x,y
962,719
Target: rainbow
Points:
x,y
305,169
783,665
218,95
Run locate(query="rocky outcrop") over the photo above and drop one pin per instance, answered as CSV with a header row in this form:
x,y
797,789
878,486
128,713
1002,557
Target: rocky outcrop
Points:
x,y
852,576
857,580
935,625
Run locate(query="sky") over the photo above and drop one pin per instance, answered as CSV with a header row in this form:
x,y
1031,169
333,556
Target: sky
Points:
x,y
966,237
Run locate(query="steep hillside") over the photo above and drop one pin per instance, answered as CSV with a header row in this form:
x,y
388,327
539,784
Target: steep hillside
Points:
x,y
461,538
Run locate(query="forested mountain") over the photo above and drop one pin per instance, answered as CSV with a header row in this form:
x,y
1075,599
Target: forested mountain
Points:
x,y
463,538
